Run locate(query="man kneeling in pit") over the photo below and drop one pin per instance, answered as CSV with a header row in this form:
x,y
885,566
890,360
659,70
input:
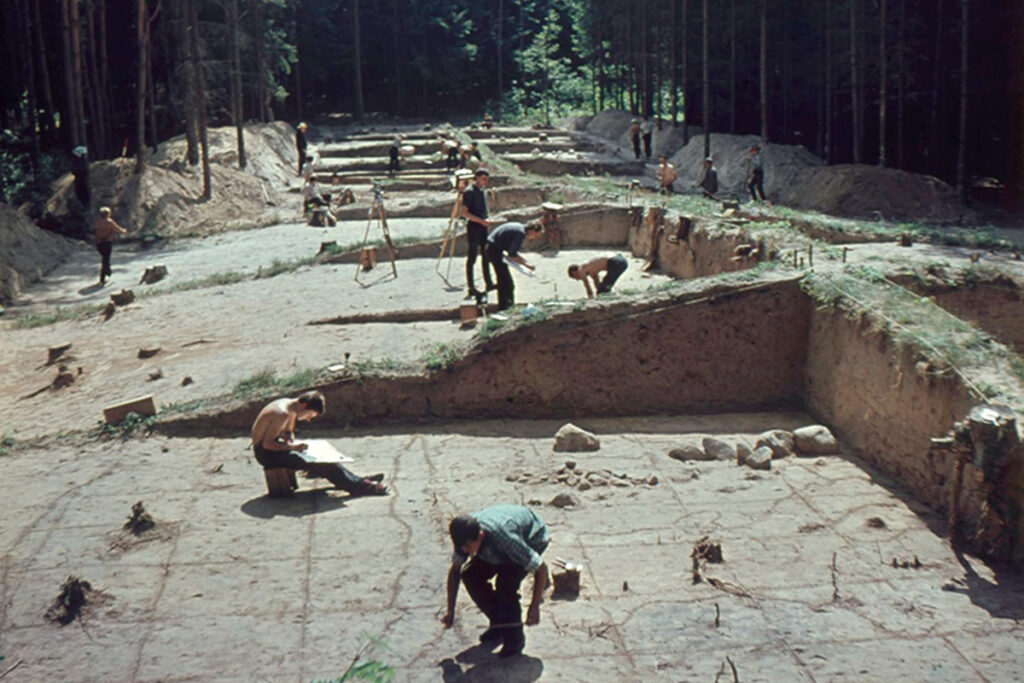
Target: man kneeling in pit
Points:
x,y
274,445
613,267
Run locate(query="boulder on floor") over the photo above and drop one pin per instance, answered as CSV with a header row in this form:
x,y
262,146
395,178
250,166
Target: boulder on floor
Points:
x,y
717,449
572,439
780,441
760,459
815,440
689,451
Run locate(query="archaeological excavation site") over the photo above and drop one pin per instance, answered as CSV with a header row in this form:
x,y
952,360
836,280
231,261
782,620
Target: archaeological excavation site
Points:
x,y
785,445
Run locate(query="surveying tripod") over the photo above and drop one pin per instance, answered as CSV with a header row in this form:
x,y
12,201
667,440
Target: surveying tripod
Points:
x,y
459,181
367,257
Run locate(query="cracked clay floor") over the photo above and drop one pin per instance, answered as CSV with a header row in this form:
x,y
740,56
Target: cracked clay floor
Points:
x,y
233,586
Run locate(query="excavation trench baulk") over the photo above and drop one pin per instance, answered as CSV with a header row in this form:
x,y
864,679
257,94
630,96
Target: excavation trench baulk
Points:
x,y
729,321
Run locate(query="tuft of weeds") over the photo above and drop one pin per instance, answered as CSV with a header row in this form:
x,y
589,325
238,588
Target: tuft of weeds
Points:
x,y
366,664
489,328
129,426
266,381
63,313
441,356
6,444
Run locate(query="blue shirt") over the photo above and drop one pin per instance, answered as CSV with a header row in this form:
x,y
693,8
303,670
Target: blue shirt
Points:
x,y
508,237
513,534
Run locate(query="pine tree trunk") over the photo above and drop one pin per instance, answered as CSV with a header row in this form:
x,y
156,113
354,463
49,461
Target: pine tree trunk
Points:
x,y
67,119
27,49
97,108
732,66
396,32
76,63
237,109
784,135
706,72
358,62
827,149
200,96
190,106
933,128
685,69
883,83
44,73
764,70
854,83
961,156
141,40
107,85
901,93
674,23
501,76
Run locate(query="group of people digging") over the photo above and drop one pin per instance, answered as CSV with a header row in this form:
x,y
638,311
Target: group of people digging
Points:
x,y
502,543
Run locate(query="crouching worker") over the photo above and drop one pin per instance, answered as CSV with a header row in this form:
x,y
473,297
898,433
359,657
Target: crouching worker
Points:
x,y
503,543
612,266
273,444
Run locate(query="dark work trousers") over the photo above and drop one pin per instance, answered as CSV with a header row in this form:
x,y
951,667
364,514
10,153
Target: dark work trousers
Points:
x,y
104,248
302,158
333,472
636,146
452,160
393,162
476,234
616,267
756,183
647,145
500,603
506,287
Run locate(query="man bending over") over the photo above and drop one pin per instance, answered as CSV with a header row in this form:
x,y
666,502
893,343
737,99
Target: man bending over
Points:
x,y
613,267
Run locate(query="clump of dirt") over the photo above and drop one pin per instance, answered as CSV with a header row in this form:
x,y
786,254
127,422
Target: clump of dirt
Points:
x,y
140,521
74,595
27,252
783,164
705,551
872,192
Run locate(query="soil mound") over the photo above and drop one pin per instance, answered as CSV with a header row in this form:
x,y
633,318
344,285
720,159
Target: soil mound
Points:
x,y
164,198
27,252
783,164
857,190
612,125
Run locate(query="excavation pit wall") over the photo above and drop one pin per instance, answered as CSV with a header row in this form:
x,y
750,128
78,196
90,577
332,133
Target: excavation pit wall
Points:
x,y
717,348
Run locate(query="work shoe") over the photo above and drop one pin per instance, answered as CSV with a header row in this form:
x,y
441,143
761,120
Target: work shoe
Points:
x,y
491,287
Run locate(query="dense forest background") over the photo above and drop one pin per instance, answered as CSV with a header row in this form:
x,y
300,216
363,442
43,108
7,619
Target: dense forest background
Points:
x,y
933,86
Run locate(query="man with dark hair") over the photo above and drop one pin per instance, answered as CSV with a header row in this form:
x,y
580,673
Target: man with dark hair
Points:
x,y
474,210
393,153
504,543
301,144
614,266
274,445
708,183
103,237
508,239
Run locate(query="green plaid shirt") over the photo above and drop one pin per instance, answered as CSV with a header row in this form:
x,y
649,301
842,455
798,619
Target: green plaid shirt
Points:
x,y
513,534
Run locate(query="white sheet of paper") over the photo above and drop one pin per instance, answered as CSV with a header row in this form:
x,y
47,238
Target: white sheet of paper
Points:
x,y
320,450
522,269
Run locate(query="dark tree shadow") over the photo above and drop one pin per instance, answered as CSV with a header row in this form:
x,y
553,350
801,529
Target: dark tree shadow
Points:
x,y
489,668
1002,599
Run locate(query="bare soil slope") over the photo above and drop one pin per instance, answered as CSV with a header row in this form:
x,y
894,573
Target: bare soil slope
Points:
x,y
27,252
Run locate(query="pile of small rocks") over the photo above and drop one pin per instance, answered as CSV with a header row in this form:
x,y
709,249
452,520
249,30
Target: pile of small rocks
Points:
x,y
771,445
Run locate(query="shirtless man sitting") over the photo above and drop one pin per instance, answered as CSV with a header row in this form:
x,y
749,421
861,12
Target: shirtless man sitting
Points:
x,y
274,445
614,266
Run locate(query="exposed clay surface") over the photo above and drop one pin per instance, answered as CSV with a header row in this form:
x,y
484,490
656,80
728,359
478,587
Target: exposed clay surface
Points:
x,y
245,587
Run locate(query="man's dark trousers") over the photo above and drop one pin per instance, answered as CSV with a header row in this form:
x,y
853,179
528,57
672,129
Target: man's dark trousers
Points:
x,y
616,267
506,287
756,183
499,603
476,235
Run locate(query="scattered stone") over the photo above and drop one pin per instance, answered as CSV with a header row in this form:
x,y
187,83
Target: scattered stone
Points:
x,y
567,581
653,481
906,564
584,485
760,459
625,586
779,441
688,452
186,380
140,521
149,352
73,596
570,464
156,374
619,482
572,439
63,379
876,523
153,275
123,298
808,528
108,310
742,453
716,449
815,440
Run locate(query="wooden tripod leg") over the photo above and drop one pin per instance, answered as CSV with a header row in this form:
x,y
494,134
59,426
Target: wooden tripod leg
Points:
x,y
387,238
366,236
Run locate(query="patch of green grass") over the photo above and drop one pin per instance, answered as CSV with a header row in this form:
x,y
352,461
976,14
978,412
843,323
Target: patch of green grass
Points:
x,y
366,665
132,423
6,444
489,328
266,382
183,407
386,364
62,314
441,356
